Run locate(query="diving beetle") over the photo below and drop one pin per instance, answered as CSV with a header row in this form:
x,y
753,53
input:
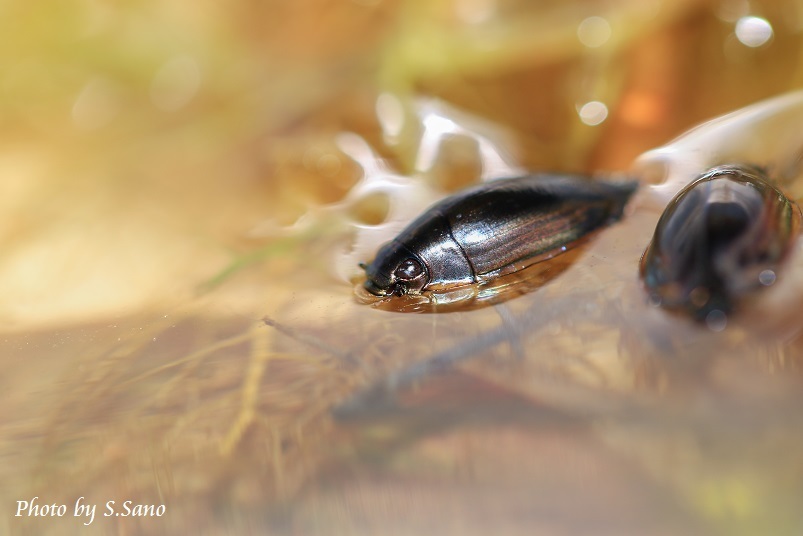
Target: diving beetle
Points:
x,y
493,229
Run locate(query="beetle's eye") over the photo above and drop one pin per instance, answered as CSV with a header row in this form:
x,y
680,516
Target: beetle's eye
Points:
x,y
408,270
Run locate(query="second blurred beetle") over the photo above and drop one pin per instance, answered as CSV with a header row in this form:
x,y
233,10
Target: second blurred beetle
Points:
x,y
722,235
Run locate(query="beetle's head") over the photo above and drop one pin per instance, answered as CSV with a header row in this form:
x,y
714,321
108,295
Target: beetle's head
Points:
x,y
395,270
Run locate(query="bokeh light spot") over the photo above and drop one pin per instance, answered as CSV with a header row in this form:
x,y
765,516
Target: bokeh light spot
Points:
x,y
753,31
593,113
594,32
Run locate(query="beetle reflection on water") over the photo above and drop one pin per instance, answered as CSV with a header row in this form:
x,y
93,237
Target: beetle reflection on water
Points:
x,y
494,229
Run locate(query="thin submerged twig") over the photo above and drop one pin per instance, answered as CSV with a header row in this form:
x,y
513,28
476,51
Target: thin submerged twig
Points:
x,y
311,340
260,355
193,356
381,395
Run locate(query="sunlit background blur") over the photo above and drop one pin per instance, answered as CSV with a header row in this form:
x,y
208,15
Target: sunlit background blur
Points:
x,y
179,125
156,159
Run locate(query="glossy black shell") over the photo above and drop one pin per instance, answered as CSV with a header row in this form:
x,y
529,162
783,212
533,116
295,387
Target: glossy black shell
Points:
x,y
492,229
724,234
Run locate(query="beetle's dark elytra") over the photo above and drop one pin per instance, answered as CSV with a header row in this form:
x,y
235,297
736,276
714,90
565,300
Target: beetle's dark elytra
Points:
x,y
722,235
493,229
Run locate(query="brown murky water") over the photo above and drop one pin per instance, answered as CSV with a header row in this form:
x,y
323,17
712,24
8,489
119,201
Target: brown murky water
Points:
x,y
187,191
